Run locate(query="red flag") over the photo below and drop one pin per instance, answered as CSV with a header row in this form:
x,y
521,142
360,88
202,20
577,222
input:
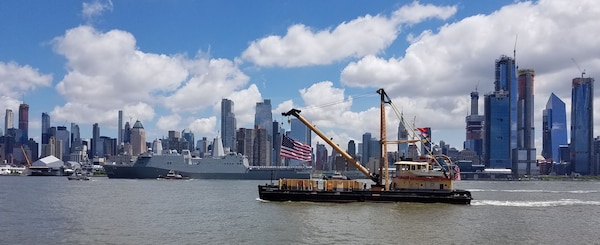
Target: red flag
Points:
x,y
295,150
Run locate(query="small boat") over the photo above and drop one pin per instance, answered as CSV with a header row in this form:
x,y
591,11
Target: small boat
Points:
x,y
429,180
173,175
79,175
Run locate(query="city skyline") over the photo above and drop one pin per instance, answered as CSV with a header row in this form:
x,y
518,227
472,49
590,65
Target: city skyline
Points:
x,y
428,56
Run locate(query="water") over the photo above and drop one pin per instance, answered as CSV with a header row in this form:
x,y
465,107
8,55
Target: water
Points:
x,y
53,210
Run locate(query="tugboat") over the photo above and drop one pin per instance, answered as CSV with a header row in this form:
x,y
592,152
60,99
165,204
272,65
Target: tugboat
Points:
x,y
428,181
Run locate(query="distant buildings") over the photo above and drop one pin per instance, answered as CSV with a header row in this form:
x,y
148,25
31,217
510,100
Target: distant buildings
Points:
x,y
525,153
138,139
228,125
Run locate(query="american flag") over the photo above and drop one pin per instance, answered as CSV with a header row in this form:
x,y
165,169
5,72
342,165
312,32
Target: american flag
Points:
x,y
295,150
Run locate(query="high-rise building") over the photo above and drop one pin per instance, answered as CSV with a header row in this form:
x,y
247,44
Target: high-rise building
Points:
x,y
262,148
351,148
402,135
321,158
582,126
138,139
127,133
9,120
228,125
63,136
188,135
278,133
299,132
525,154
76,142
506,80
264,116
45,127
245,142
474,129
366,146
24,122
554,129
95,141
120,130
497,130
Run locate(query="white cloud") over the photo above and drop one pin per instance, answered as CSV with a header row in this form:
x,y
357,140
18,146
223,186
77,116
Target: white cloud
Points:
x,y
169,122
204,127
94,9
366,35
16,80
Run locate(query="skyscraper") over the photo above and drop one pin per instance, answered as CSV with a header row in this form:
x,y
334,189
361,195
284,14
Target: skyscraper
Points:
x,y
474,121
366,146
582,126
63,136
402,135
299,132
76,142
24,122
506,80
138,139
9,120
120,130
525,153
95,141
45,127
554,128
188,135
497,130
228,125
264,117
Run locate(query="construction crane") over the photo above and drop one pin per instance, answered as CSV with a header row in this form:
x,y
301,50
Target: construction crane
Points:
x,y
582,71
25,156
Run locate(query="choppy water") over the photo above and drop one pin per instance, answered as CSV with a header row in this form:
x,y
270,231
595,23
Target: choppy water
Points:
x,y
53,210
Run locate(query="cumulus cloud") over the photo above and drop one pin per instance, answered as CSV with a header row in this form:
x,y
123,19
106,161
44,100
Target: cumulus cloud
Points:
x,y
366,35
441,67
16,80
107,71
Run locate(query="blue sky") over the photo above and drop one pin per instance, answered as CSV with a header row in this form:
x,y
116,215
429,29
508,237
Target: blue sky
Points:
x,y
169,63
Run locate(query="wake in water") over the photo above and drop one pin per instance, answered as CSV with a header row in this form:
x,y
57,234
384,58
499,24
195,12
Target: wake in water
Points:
x,y
537,191
558,203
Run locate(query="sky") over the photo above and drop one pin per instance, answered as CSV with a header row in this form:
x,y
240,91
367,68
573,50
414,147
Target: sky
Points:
x,y
170,63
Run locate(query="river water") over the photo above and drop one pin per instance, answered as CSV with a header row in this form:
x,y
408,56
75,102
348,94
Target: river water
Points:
x,y
54,210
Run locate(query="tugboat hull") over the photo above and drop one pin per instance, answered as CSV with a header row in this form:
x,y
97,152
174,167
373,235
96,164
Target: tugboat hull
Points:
x,y
274,193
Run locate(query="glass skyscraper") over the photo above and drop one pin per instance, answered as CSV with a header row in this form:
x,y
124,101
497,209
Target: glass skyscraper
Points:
x,y
582,126
525,153
228,125
506,80
497,130
554,129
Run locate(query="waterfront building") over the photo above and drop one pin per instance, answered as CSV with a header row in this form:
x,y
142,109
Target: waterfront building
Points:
x,y
228,125
497,130
474,128
138,139
24,122
554,129
9,120
525,153
582,126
